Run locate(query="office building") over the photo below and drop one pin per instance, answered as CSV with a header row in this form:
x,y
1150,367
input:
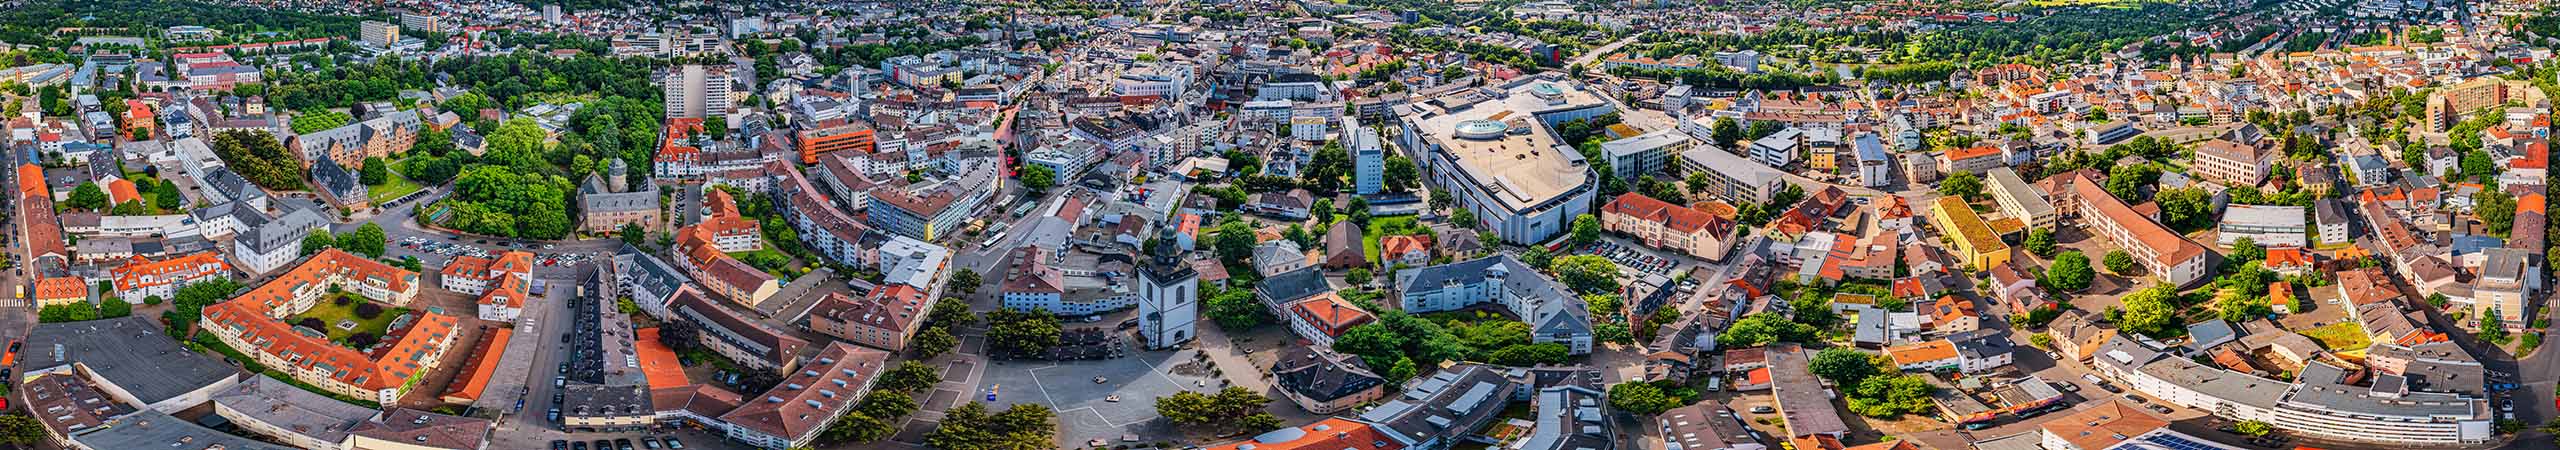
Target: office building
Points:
x,y
1644,154
1731,178
2020,200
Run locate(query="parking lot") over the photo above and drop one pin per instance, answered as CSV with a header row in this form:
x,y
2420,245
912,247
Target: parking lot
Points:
x,y
453,246
1632,257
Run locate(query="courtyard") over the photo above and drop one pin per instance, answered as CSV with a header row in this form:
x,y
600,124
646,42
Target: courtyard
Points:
x,y
339,319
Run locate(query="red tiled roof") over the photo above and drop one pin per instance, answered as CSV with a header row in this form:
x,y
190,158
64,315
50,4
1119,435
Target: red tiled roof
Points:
x,y
1685,220
821,390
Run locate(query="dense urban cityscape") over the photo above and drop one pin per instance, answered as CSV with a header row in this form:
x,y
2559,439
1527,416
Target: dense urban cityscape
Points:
x,y
1278,224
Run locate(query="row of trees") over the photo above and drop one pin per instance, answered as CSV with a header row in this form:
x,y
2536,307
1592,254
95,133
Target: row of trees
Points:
x,y
892,399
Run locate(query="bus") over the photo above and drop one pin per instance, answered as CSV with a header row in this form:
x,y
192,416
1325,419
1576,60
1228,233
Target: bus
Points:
x,y
991,242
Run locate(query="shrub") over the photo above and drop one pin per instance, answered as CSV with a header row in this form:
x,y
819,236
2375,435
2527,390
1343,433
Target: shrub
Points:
x,y
341,300
312,323
368,311
363,340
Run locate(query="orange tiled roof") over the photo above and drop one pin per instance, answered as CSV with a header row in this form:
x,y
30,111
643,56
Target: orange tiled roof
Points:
x,y
1329,311
143,272
484,364
658,362
1938,350
1401,245
258,318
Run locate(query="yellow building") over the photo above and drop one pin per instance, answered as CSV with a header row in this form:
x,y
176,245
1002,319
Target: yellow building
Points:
x,y
1974,240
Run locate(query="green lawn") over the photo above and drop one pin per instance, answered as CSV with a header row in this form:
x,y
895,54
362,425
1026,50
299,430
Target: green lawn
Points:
x,y
307,122
1388,226
330,314
768,259
2340,337
393,189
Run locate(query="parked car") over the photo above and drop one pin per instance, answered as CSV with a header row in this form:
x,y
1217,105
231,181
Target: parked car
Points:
x,y
1763,409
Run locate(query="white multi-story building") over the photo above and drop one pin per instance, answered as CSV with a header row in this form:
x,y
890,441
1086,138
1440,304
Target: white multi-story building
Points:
x,y
1496,151
1067,159
1552,312
1778,149
2020,200
1368,157
695,91
2319,403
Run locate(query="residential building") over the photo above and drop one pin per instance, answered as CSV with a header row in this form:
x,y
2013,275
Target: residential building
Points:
x,y
695,91
1645,154
254,324
1368,157
749,342
1322,381
2320,402
378,34
2233,163
503,284
1662,225
935,208
144,278
2163,253
885,319
1975,159
792,414
1553,314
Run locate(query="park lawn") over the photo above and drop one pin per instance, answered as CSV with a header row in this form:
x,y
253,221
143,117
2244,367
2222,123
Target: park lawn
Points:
x,y
2340,337
330,313
393,189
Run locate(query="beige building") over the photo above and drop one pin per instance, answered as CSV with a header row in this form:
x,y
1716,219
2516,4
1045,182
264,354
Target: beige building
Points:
x,y
2233,163
1666,226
